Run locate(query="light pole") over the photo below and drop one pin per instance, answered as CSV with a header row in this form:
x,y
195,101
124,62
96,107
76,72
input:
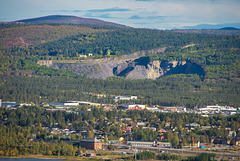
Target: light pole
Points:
x,y
135,153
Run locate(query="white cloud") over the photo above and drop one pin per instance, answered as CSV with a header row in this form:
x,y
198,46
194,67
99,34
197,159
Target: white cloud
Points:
x,y
144,13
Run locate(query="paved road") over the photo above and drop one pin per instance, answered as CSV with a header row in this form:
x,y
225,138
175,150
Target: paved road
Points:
x,y
175,151
168,150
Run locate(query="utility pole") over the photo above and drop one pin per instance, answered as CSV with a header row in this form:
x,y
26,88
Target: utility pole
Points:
x,y
135,153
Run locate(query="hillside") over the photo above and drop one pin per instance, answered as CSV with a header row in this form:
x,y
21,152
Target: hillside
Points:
x,y
23,45
213,26
60,62
132,68
229,28
63,19
23,36
222,31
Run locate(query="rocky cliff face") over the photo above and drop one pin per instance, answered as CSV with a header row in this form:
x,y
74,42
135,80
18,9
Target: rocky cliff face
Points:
x,y
48,63
139,68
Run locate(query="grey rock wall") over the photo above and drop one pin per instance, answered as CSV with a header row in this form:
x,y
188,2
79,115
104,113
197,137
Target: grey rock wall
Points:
x,y
138,68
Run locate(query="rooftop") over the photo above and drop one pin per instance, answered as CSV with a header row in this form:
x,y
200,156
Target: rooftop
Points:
x,y
90,140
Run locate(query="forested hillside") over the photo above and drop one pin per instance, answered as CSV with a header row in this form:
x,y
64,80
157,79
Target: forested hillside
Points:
x,y
24,36
23,45
179,90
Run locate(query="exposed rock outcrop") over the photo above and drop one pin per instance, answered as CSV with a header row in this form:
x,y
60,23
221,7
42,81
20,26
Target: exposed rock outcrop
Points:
x,y
154,70
48,63
139,72
138,68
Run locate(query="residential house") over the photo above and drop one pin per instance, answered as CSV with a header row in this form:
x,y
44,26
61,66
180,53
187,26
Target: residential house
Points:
x,y
167,125
162,131
126,119
138,124
108,108
192,126
126,130
150,128
205,128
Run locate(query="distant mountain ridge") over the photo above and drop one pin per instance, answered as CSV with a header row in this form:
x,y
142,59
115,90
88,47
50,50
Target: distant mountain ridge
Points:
x,y
210,26
64,19
229,28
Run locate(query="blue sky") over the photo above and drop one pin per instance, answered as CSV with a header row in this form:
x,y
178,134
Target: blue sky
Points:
x,y
158,14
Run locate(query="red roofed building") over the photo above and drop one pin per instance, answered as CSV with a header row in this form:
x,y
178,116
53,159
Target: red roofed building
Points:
x,y
126,129
108,108
133,107
162,131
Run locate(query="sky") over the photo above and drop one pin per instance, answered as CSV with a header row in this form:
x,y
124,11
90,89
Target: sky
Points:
x,y
157,14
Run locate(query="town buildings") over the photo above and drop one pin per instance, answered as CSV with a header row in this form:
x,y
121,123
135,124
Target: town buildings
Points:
x,y
173,109
141,143
133,107
124,98
149,144
215,109
14,104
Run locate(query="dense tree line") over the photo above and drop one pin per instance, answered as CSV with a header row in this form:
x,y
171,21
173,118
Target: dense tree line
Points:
x,y
175,90
146,155
12,25
126,41
25,123
203,157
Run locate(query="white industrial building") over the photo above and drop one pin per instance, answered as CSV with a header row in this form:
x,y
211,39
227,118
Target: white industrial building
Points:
x,y
122,98
217,109
141,143
70,103
150,144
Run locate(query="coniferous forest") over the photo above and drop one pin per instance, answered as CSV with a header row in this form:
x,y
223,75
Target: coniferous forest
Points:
x,y
23,80
175,90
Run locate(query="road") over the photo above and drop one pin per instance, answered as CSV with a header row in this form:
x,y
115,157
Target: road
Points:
x,y
174,151
168,150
